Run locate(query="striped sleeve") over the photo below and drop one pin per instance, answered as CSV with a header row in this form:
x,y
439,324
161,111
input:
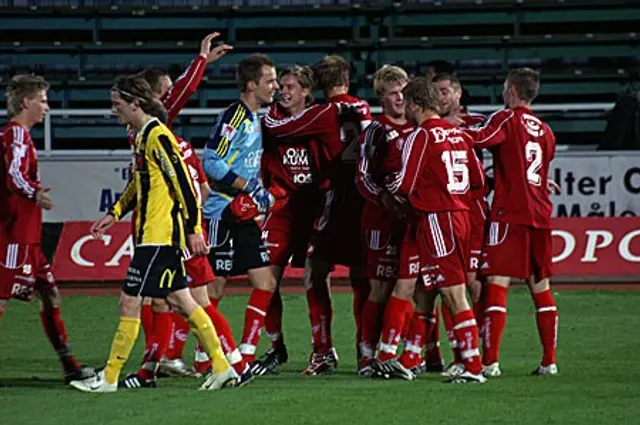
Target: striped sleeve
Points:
x,y
17,151
413,156
493,132
185,86
226,129
167,154
126,202
370,141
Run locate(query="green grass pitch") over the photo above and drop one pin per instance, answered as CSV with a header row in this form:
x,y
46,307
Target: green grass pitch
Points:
x,y
599,381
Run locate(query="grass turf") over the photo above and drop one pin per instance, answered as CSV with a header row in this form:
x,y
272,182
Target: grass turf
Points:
x,y
599,379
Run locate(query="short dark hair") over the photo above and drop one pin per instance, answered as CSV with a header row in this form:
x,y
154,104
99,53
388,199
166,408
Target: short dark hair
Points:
x,y
250,69
154,76
422,93
332,71
21,86
134,87
526,82
455,82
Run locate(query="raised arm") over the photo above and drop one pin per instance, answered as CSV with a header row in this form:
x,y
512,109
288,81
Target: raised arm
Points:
x,y
493,132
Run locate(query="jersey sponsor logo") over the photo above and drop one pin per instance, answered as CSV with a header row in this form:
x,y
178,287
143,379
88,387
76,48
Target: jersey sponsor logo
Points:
x,y
227,131
533,125
302,178
295,157
385,272
252,161
392,135
441,134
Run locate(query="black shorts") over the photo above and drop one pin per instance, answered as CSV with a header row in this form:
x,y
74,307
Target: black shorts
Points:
x,y
236,247
155,271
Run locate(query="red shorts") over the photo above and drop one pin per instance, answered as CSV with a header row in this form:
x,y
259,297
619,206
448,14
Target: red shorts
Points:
x,y
199,271
337,232
444,248
478,213
287,232
390,247
519,251
23,269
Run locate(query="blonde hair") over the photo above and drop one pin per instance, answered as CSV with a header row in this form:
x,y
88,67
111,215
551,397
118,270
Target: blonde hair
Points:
x,y
387,76
21,86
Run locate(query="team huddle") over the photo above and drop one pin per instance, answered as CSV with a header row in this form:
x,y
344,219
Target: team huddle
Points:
x,y
401,200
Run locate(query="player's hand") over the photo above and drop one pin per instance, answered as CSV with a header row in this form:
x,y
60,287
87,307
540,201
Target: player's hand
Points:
x,y
391,204
259,195
553,187
102,225
197,245
43,200
455,119
212,55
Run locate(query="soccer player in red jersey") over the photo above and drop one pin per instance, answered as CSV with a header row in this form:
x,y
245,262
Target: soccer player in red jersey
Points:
x,y
519,239
294,167
336,240
159,324
449,92
24,269
389,245
438,169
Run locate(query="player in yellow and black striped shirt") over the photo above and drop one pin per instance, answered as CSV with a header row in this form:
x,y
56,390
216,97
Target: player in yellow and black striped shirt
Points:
x,y
167,208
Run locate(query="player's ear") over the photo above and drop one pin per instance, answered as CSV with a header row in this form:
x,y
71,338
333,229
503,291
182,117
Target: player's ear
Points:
x,y
251,85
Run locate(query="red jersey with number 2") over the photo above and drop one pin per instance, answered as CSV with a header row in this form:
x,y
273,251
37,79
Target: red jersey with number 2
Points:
x,y
523,147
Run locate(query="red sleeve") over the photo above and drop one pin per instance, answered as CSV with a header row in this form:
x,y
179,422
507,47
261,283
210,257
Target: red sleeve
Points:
x,y
369,150
476,172
413,156
314,120
202,177
184,87
493,132
18,151
365,115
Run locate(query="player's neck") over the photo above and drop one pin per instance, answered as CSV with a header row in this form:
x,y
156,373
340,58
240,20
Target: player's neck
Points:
x,y
398,120
250,101
23,121
517,103
427,115
139,121
336,91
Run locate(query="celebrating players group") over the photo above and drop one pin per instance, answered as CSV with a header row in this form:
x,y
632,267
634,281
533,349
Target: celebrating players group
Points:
x,y
401,200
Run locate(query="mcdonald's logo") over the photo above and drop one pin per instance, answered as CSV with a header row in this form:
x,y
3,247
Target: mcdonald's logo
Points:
x,y
167,277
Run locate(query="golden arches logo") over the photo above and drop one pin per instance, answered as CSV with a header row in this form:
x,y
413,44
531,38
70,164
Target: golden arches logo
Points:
x,y
167,277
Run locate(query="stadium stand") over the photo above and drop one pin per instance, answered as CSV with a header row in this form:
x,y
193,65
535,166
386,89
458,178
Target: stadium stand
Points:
x,y
587,51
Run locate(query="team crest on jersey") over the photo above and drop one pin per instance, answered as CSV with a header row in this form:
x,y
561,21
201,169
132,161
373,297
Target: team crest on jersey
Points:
x,y
533,125
392,135
227,131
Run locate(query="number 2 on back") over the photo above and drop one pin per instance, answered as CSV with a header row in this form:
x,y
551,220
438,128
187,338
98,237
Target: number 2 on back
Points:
x,y
533,152
457,171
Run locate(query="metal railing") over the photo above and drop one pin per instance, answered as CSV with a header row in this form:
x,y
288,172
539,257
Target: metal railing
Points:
x,y
49,151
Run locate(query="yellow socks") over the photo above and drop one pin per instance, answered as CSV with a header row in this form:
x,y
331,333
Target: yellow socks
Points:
x,y
121,347
203,328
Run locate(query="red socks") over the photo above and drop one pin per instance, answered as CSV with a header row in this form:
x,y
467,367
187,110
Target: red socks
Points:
x,y
223,330
320,315
178,337
146,318
157,346
273,321
466,332
547,320
415,340
360,288
254,322
495,318
394,318
372,315
56,332
432,353
451,335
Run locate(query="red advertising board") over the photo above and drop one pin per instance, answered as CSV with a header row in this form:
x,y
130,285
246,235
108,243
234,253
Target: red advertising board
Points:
x,y
589,247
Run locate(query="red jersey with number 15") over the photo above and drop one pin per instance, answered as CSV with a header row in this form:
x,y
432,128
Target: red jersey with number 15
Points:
x,y
20,217
439,167
523,147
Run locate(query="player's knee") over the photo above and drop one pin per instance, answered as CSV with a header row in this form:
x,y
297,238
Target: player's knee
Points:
x,y
49,298
538,286
455,298
129,306
499,280
263,279
404,288
216,288
3,306
158,305
379,292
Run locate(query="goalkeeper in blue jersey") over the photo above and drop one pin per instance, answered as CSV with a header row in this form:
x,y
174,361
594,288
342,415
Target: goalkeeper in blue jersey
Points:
x,y
232,164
